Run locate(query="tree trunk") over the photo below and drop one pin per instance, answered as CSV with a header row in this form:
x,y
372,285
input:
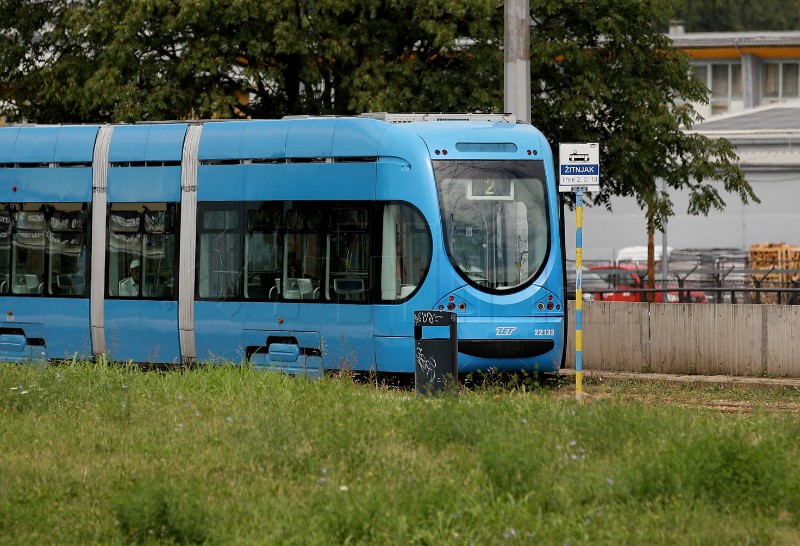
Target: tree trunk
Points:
x,y
651,261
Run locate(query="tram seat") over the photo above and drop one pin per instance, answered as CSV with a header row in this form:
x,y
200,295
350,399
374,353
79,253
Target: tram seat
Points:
x,y
27,283
70,284
32,280
155,285
255,291
306,289
299,289
406,290
349,289
20,288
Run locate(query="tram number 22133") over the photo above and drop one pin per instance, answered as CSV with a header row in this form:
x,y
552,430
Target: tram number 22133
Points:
x,y
544,332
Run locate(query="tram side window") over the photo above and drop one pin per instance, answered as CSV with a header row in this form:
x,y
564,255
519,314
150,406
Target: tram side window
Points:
x,y
142,252
66,250
406,251
43,249
263,248
348,240
27,252
220,256
302,268
5,252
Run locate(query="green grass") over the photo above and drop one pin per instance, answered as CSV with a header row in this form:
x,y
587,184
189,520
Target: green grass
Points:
x,y
224,455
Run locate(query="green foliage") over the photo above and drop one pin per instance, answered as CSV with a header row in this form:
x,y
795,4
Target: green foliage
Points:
x,y
608,75
739,15
135,60
601,71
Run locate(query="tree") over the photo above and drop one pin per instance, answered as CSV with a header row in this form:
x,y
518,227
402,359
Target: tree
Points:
x,y
606,74
129,60
133,60
739,15
601,72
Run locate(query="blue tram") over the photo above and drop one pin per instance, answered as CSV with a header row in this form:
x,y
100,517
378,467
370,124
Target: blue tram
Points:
x,y
303,243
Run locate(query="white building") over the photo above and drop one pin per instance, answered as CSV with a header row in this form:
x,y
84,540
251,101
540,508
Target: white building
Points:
x,y
767,139
742,70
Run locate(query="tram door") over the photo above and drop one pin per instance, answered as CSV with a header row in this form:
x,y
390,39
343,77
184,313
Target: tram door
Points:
x,y
405,251
141,307
140,311
347,282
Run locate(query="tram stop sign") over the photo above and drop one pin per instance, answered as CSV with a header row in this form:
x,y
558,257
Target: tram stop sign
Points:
x,y
580,166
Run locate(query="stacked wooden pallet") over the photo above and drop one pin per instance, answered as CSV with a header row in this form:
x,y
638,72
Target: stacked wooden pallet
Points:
x,y
771,265
791,260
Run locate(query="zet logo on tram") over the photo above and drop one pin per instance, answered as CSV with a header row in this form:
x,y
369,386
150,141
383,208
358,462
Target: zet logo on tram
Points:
x,y
505,330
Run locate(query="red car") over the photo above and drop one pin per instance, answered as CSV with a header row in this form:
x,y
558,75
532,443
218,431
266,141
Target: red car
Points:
x,y
629,276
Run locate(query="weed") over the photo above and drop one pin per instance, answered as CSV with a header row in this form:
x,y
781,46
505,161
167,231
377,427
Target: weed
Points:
x,y
346,364
152,510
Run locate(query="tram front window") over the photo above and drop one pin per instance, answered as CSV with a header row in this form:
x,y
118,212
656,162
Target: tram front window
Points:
x,y
494,219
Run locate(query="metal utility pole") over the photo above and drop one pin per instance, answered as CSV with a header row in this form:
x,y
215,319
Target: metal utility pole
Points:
x,y
517,59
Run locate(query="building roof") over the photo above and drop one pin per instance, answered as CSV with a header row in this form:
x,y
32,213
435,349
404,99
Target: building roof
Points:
x,y
778,117
766,138
690,40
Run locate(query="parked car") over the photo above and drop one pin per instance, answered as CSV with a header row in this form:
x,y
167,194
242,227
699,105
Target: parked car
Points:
x,y
593,286
628,276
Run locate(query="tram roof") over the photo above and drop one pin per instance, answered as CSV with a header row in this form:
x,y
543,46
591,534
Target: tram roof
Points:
x,y
291,137
47,144
150,142
299,138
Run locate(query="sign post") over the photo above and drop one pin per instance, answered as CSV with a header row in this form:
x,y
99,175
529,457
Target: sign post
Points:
x,y
579,171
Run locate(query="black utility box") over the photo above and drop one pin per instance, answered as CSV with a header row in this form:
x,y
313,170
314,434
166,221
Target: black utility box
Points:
x,y
435,359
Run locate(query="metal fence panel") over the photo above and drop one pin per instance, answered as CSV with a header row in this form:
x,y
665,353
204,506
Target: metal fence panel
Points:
x,y
705,339
615,336
782,340
745,340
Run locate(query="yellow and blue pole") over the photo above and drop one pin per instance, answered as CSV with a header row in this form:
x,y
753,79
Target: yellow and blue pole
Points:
x,y
578,294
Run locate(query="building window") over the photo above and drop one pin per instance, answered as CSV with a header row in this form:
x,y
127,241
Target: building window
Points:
x,y
789,80
724,82
781,80
720,81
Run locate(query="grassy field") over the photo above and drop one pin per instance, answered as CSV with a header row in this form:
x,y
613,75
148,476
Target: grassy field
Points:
x,y
111,455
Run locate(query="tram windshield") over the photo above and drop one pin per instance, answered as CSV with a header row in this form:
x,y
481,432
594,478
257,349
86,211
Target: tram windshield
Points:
x,y
495,221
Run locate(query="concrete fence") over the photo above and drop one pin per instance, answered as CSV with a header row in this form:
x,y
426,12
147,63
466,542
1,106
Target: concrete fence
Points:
x,y
747,340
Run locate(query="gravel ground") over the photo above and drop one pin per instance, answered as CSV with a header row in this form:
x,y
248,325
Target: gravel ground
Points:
x,y
727,394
